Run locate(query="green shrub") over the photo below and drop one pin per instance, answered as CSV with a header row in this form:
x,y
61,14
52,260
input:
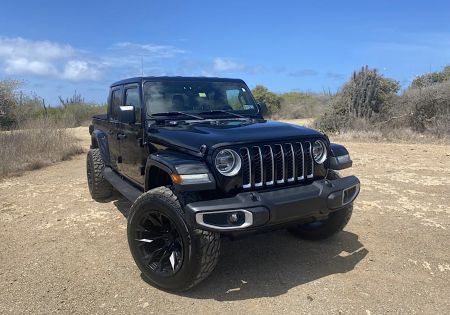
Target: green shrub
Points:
x,y
431,78
262,94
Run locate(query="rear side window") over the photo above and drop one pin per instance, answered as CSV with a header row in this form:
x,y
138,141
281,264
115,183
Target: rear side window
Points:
x,y
132,99
116,102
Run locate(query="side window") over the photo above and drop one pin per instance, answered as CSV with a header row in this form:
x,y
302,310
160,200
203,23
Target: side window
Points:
x,y
116,102
233,99
237,100
132,99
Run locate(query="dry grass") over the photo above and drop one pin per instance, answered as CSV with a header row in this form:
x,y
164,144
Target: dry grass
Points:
x,y
38,144
400,135
367,133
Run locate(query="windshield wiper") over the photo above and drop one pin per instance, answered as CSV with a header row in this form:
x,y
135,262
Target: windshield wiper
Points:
x,y
219,111
177,113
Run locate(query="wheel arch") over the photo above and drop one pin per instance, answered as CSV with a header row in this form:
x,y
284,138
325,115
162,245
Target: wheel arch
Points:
x,y
162,166
157,176
99,140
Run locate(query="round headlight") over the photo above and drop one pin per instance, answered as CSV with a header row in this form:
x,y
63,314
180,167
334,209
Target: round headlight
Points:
x,y
319,151
228,162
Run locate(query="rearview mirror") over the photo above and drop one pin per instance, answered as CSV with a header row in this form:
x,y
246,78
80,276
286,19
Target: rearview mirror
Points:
x,y
262,108
126,114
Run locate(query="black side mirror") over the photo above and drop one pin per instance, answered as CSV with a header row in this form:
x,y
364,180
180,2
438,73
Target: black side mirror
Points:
x,y
126,114
262,108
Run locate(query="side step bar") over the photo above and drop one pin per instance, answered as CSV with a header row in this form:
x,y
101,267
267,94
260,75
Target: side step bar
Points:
x,y
129,191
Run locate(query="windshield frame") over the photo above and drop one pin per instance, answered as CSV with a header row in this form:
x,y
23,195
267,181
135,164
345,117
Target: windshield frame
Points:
x,y
256,113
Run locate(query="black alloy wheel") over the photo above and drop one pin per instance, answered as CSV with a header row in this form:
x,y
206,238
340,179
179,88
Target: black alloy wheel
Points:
x,y
159,243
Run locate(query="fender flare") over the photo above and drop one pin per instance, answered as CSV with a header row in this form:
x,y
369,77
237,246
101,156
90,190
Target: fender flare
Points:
x,y
339,157
176,163
99,140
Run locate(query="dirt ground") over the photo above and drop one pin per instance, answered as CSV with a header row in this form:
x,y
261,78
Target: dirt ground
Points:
x,y
62,252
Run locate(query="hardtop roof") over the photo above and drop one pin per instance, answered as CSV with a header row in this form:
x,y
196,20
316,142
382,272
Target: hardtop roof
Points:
x,y
177,78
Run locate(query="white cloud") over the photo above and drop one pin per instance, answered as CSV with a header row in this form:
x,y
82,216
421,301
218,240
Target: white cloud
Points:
x,y
44,58
22,65
150,50
228,65
222,64
81,70
39,50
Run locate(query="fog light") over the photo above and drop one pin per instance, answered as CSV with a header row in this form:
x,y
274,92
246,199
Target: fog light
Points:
x,y
233,218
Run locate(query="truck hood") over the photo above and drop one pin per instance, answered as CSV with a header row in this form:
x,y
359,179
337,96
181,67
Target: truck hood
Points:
x,y
192,136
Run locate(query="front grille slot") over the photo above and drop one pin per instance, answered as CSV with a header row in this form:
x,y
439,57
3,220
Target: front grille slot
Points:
x,y
258,163
309,162
268,165
246,168
276,164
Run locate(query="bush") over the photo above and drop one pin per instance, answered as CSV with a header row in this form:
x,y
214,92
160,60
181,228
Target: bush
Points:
x,y
363,98
263,95
424,109
431,78
8,103
295,105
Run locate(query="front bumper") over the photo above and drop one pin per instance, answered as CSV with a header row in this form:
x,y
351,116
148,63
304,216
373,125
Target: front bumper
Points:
x,y
254,210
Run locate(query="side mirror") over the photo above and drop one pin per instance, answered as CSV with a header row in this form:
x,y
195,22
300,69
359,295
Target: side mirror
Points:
x,y
262,108
126,114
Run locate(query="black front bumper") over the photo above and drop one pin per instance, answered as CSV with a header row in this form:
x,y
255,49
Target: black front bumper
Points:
x,y
254,210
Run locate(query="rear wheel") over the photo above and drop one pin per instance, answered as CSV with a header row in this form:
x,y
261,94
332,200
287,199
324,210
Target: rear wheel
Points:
x,y
170,254
99,187
322,229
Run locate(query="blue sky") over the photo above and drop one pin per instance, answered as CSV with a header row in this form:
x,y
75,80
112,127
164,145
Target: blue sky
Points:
x,y
57,47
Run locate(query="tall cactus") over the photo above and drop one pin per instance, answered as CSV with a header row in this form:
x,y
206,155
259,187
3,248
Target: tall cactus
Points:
x,y
361,93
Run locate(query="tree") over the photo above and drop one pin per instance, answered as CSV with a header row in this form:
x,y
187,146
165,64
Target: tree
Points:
x,y
8,103
431,78
273,101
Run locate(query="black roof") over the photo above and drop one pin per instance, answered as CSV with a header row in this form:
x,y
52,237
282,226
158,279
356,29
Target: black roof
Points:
x,y
177,78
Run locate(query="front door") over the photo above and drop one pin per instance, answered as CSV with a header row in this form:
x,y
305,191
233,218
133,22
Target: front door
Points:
x,y
132,152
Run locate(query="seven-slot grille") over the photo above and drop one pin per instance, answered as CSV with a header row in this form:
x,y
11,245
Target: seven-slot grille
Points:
x,y
270,164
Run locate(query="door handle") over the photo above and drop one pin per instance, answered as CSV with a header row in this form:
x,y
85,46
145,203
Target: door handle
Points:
x,y
121,136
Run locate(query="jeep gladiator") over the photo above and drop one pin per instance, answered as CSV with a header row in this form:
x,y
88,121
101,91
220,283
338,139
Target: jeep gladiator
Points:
x,y
199,162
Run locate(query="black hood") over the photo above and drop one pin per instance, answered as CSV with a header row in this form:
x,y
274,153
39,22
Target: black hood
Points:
x,y
193,135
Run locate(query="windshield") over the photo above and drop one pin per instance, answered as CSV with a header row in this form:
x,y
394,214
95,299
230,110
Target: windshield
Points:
x,y
198,97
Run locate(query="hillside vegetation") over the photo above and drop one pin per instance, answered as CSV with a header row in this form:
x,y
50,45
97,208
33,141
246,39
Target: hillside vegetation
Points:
x,y
370,105
32,134
18,109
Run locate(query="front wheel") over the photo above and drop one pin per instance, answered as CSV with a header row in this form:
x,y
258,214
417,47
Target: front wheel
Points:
x,y
170,254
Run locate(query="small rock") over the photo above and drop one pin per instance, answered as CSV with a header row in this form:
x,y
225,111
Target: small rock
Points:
x,y
310,298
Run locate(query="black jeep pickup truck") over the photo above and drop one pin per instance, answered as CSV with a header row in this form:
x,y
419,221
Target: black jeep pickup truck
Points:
x,y
199,161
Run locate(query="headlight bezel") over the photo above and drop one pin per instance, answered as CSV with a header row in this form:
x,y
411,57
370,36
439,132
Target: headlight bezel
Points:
x,y
322,157
236,165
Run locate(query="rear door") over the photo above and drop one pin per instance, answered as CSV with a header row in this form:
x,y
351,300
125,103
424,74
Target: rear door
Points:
x,y
132,151
115,101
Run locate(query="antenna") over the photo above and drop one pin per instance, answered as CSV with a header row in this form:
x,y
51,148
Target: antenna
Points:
x,y
142,65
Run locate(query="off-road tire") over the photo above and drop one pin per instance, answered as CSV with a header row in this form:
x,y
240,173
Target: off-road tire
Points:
x,y
335,222
99,187
200,248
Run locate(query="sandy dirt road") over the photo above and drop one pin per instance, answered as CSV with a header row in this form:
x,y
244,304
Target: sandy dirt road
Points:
x,y
62,252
